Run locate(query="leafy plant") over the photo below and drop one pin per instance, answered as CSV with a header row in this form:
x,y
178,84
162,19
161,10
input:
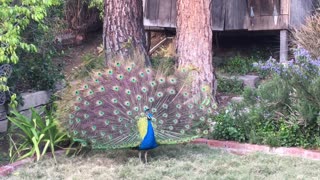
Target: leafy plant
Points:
x,y
15,17
239,65
34,136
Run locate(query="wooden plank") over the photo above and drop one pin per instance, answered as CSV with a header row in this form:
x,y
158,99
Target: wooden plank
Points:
x,y
164,12
284,6
173,13
299,10
236,14
266,8
267,23
218,15
151,9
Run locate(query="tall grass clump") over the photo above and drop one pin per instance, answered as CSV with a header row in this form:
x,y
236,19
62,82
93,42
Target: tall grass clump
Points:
x,y
308,35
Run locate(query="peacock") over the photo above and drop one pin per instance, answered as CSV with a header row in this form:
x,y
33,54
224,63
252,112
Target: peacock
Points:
x,y
129,105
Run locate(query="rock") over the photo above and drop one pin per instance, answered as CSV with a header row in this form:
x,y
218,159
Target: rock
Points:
x,y
249,80
34,99
3,125
3,119
237,99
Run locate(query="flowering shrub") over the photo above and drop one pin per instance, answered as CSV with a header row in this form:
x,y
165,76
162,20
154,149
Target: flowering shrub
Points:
x,y
302,76
284,111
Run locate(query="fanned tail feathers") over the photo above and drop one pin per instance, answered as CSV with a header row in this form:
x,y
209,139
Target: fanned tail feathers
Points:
x,y
103,110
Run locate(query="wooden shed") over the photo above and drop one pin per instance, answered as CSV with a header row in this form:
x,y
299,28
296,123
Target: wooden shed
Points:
x,y
231,15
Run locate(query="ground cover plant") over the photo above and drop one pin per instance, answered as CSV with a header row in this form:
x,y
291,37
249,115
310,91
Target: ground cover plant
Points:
x,y
171,162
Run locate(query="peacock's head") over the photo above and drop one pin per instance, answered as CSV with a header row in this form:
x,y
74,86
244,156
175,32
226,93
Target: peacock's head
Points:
x,y
149,114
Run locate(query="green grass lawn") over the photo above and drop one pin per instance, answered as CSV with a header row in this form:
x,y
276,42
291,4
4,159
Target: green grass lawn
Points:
x,y
171,162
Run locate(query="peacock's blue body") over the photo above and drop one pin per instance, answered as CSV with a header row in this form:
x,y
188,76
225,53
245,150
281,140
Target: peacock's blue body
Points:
x,y
149,141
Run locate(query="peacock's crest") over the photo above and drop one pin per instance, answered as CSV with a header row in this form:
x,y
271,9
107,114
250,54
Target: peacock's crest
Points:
x,y
107,110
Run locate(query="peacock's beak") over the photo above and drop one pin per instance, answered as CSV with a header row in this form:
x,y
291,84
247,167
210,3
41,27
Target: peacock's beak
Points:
x,y
149,115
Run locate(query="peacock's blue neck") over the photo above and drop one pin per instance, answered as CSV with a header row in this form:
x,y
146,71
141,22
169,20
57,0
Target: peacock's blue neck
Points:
x,y
149,141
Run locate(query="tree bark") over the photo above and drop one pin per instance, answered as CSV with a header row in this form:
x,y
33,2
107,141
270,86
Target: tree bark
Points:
x,y
124,35
194,44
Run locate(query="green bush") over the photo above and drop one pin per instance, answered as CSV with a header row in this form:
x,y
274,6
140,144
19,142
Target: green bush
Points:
x,y
34,136
41,69
239,65
284,111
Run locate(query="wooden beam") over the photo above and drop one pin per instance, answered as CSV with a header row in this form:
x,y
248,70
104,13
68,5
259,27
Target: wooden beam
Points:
x,y
267,23
218,12
283,45
284,7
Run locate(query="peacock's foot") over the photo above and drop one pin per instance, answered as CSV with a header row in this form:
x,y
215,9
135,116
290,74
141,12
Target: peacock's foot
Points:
x,y
145,157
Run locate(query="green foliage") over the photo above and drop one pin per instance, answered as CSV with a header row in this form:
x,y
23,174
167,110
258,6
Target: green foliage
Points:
x,y
34,136
230,85
15,17
39,70
227,128
35,74
239,65
97,4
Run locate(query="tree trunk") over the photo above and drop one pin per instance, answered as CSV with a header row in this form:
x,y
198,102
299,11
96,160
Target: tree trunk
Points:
x,y
194,44
124,34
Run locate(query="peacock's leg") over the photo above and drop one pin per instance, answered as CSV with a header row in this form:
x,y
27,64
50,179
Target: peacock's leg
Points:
x,y
146,157
140,156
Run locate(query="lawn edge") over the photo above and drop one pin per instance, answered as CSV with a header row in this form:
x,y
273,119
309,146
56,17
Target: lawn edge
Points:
x,y
9,168
245,148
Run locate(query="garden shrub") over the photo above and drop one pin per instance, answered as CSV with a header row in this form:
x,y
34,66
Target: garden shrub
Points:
x,y
284,111
41,69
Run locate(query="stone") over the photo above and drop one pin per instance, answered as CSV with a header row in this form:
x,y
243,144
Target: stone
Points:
x,y
249,80
34,99
3,121
237,99
3,125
